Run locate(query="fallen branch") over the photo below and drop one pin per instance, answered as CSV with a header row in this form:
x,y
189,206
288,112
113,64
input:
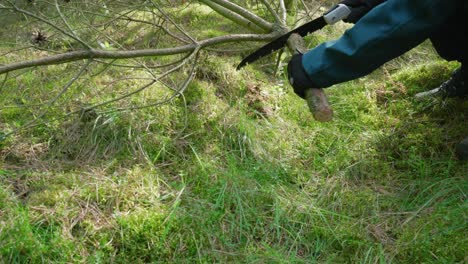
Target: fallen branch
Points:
x,y
107,54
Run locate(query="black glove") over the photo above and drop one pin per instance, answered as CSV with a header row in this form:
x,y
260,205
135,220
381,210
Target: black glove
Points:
x,y
298,77
359,8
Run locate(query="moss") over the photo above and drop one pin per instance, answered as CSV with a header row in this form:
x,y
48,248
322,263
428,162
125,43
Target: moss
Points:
x,y
435,236
199,179
143,237
425,77
23,240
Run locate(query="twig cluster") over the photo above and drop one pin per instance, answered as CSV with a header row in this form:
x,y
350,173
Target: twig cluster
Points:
x,y
91,41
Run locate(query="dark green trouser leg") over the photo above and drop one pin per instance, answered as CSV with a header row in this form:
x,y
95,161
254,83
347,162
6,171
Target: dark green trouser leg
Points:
x,y
451,40
462,150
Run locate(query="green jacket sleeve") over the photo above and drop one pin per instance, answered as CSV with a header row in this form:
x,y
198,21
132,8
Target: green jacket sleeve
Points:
x,y
387,31
359,8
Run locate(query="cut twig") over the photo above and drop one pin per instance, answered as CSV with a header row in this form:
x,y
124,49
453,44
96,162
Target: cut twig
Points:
x,y
236,18
265,25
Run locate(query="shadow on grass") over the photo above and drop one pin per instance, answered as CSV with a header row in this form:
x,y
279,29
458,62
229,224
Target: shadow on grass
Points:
x,y
198,188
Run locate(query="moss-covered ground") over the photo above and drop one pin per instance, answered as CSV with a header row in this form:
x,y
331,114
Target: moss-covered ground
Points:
x,y
236,170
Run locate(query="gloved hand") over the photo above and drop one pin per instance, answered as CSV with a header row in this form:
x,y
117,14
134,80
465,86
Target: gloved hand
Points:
x,y
359,8
298,77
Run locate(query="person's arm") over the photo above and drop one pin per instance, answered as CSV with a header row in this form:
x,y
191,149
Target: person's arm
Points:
x,y
387,31
359,8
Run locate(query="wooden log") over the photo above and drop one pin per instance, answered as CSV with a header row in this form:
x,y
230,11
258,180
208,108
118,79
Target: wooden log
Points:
x,y
315,97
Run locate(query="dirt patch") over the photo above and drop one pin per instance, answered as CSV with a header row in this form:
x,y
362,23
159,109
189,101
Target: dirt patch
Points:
x,y
257,101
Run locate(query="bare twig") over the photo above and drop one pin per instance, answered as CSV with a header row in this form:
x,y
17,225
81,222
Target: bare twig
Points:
x,y
184,46
57,7
175,24
306,8
27,13
80,111
51,102
265,25
16,50
273,12
236,18
178,91
158,26
283,11
3,82
194,53
278,61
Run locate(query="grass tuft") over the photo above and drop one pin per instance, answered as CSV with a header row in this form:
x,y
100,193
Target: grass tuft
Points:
x,y
213,177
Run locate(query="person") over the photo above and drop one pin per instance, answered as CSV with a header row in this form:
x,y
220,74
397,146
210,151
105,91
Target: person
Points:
x,y
383,30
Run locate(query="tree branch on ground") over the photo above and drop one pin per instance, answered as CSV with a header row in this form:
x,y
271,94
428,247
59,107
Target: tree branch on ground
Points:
x,y
148,41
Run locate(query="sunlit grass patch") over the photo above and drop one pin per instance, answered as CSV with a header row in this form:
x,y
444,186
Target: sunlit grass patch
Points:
x,y
210,176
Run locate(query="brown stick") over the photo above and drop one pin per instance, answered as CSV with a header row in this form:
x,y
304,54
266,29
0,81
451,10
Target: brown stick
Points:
x,y
127,54
315,97
318,105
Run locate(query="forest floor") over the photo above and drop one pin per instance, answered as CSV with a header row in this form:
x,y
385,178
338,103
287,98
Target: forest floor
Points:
x,y
237,170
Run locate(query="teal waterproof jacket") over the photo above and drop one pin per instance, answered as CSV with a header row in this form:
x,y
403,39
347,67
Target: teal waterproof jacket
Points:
x,y
387,31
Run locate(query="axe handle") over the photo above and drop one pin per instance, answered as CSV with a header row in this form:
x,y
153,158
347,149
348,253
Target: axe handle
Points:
x,y
315,97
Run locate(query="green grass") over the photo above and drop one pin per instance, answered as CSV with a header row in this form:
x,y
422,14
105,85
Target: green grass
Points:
x,y
210,178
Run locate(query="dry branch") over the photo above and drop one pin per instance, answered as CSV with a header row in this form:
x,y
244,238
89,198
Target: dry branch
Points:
x,y
186,45
106,54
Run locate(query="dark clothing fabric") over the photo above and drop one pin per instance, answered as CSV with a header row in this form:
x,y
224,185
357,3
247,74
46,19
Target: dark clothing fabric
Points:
x,y
359,8
451,40
301,81
385,32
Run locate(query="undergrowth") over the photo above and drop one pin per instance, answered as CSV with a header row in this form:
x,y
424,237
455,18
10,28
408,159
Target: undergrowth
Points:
x,y
236,170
